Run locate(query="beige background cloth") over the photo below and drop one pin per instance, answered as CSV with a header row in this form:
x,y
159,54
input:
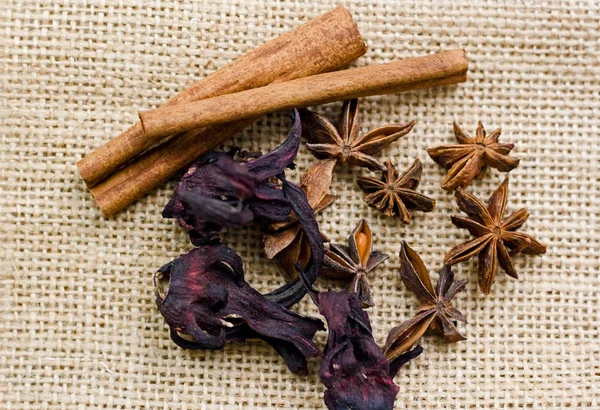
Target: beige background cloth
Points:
x,y
79,327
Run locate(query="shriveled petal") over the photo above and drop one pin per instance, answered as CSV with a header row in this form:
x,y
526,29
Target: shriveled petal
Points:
x,y
325,202
316,181
474,227
360,285
467,250
400,209
505,261
288,257
233,213
411,177
317,129
208,299
269,204
492,137
448,155
275,243
515,220
472,206
390,175
274,162
454,289
325,150
348,127
375,259
456,315
369,184
461,136
449,330
503,149
292,292
379,138
354,370
515,239
383,201
363,160
414,200
479,133
497,202
502,163
445,280
402,338
488,264
404,358
463,172
415,275
337,266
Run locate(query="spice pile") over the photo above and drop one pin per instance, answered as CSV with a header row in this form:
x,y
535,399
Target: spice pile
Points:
x,y
206,301
203,295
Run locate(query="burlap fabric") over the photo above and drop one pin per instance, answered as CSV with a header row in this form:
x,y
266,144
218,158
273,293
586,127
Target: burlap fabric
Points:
x,y
79,327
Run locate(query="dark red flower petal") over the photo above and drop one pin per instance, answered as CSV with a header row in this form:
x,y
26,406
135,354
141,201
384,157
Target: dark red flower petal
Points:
x,y
203,294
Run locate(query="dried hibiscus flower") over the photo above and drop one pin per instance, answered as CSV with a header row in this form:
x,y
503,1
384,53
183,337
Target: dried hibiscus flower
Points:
x,y
217,191
471,156
354,262
355,372
288,243
344,143
494,235
206,302
435,305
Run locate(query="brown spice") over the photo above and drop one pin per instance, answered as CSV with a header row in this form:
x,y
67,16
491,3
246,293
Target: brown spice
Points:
x,y
395,195
326,43
399,76
471,156
288,243
494,236
354,262
435,305
343,142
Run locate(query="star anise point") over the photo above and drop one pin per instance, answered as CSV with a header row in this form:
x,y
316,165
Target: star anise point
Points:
x,y
496,239
396,195
470,157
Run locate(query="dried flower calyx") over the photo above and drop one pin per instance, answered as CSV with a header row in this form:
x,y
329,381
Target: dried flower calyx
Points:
x,y
206,301
288,243
435,309
355,372
354,262
495,238
396,195
217,191
343,142
470,156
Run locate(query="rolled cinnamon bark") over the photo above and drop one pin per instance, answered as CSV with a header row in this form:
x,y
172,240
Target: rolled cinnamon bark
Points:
x,y
151,170
316,89
326,43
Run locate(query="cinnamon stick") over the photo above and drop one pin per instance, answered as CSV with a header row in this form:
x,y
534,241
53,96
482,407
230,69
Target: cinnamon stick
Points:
x,y
326,43
317,89
153,169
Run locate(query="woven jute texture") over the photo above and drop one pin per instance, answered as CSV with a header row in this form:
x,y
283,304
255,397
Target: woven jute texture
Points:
x,y
79,327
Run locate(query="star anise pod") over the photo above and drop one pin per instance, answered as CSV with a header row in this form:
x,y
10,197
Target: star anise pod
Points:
x,y
396,195
344,143
495,236
470,156
288,244
354,262
435,310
